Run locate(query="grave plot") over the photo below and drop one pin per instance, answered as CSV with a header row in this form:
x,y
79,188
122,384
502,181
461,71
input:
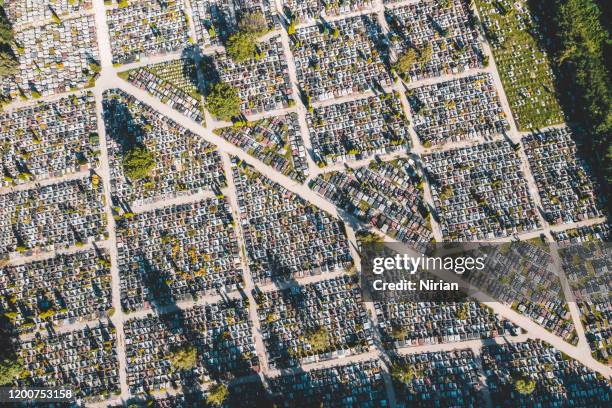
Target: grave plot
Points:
x,y
276,141
387,195
456,110
62,289
522,63
83,360
37,11
314,322
405,324
340,58
48,140
540,374
441,378
358,128
310,10
216,20
54,58
175,83
152,157
433,39
262,83
523,276
339,386
189,347
53,216
144,28
586,259
565,183
177,253
480,192
286,237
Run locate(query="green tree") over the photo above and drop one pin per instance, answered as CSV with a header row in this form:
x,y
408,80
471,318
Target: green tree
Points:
x,y
10,363
577,38
318,339
184,358
223,101
138,162
217,394
405,61
8,60
404,373
253,23
291,28
9,370
241,47
524,386
425,54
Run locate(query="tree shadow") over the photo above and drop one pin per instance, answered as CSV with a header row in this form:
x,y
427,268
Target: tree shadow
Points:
x,y
585,112
119,121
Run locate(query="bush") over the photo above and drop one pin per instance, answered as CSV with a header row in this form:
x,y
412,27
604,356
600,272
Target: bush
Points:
x,y
223,101
138,163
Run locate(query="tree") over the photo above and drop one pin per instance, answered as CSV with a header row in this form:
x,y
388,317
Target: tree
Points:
x,y
405,61
253,23
138,162
10,363
8,59
217,394
9,370
184,358
405,373
524,386
223,101
318,339
291,28
241,47
425,54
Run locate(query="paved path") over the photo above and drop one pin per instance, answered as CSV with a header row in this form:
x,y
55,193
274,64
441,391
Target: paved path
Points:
x,y
108,79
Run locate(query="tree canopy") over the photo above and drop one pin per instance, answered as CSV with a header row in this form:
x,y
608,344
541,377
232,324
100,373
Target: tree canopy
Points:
x,y
10,363
405,61
223,101
8,60
217,394
524,386
241,46
579,43
318,339
405,373
138,162
184,358
253,23
9,370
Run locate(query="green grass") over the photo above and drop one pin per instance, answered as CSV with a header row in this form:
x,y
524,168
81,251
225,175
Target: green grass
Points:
x,y
523,67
